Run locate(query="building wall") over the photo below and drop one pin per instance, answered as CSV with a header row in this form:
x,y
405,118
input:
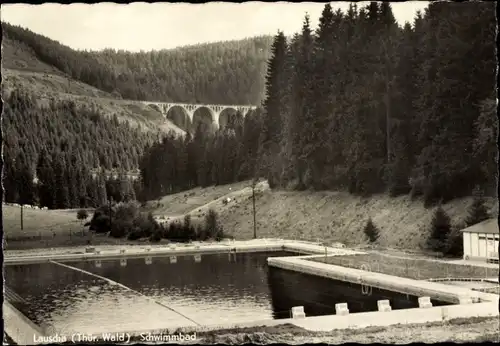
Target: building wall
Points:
x,y
466,236
490,244
480,245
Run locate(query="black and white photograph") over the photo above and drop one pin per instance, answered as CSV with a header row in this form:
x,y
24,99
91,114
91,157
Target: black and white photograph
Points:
x,y
250,173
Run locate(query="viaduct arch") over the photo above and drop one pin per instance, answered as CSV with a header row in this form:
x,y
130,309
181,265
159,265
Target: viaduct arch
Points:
x,y
214,110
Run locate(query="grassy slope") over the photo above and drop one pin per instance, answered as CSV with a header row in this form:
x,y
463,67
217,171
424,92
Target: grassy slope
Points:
x,y
330,216
44,229
38,222
21,69
195,199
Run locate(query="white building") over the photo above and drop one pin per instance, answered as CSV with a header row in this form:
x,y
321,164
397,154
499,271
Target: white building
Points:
x,y
481,241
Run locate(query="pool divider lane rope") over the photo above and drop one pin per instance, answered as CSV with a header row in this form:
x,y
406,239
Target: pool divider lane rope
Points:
x,y
125,287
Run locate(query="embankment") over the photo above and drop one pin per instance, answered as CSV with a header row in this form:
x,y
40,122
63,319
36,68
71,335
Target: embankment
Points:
x,y
325,216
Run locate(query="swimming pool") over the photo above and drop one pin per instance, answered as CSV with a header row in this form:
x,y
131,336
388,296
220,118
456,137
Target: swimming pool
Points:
x,y
173,291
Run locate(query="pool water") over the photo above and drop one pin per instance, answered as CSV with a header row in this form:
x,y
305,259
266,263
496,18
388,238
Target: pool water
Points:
x,y
217,289
319,295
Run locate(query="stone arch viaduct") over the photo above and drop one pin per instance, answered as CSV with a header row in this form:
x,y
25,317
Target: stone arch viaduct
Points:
x,y
190,109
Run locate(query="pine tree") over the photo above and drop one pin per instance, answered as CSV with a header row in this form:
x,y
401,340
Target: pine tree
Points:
x,y
454,244
308,139
371,231
212,226
274,107
24,179
61,190
478,211
452,93
322,89
82,178
402,141
249,147
101,193
73,198
440,230
290,149
485,147
10,180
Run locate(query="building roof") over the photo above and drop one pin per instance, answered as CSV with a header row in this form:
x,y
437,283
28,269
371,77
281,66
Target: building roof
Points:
x,y
488,226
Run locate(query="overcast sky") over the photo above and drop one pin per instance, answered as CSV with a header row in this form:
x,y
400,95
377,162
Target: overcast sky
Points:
x,y
141,26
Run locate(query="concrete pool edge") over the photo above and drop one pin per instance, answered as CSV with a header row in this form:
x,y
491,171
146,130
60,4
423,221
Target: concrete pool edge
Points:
x,y
395,317
339,322
182,249
20,328
451,294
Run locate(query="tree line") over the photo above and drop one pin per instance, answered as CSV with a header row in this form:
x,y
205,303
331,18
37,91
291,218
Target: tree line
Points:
x,y
205,158
365,105
358,104
222,72
59,155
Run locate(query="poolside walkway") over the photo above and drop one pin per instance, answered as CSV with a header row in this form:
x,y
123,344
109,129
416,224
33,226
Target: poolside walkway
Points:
x,y
22,330
474,263
113,252
419,288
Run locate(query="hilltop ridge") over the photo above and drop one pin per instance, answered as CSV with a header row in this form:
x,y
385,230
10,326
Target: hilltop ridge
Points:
x,y
229,72
113,81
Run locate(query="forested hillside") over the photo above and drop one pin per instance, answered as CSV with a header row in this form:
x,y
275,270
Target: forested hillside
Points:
x,y
22,70
223,72
65,116
359,104
50,151
363,105
204,159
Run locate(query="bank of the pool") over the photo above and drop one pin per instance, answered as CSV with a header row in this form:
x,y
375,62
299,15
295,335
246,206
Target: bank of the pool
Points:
x,y
420,288
265,245
19,328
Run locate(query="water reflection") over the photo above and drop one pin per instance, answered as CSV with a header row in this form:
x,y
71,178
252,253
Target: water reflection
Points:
x,y
216,290
67,301
319,295
237,290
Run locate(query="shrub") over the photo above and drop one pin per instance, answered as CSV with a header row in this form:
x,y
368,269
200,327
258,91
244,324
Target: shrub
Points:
x,y
200,233
100,222
219,235
212,227
155,237
126,211
126,220
82,214
440,230
136,234
371,231
188,232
